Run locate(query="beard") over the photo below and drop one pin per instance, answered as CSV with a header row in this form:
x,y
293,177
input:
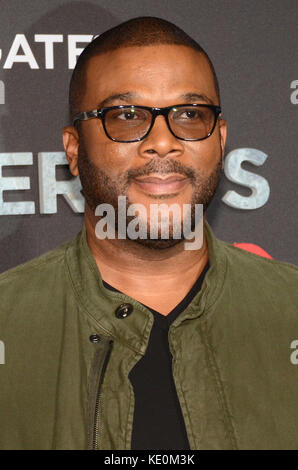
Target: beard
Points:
x,y
100,188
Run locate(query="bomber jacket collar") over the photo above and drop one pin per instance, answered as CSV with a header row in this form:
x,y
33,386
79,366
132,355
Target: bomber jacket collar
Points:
x,y
101,303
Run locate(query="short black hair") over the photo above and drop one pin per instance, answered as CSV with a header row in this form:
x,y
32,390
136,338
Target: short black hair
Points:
x,y
140,31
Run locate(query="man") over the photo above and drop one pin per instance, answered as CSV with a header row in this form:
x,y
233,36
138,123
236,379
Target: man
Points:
x,y
123,343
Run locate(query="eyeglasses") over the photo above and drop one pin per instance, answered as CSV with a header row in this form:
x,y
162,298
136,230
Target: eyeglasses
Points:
x,y
133,123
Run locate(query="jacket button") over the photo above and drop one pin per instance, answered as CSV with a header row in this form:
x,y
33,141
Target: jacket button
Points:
x,y
123,310
94,338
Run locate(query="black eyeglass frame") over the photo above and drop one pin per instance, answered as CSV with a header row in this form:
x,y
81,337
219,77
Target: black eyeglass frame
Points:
x,y
100,114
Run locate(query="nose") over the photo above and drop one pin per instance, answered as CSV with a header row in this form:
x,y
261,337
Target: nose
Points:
x,y
160,141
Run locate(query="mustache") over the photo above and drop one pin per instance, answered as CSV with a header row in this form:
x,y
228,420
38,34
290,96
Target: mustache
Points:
x,y
161,167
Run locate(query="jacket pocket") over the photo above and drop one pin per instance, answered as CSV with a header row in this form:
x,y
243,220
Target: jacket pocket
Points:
x,y
96,377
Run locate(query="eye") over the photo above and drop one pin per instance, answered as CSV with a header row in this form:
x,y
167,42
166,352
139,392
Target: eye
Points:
x,y
128,115
188,114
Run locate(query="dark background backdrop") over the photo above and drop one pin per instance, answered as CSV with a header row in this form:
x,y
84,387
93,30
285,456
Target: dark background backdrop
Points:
x,y
253,45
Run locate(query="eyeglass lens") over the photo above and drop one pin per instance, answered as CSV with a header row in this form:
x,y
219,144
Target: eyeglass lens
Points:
x,y
133,123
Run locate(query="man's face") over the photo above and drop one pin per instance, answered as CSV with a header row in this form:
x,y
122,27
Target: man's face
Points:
x,y
155,76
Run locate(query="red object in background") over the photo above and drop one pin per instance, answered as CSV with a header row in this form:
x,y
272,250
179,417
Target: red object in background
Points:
x,y
256,249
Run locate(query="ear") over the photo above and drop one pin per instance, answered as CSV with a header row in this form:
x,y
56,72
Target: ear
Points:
x,y
70,139
223,137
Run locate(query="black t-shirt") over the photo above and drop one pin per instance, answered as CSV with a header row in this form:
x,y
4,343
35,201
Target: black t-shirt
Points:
x,y
158,421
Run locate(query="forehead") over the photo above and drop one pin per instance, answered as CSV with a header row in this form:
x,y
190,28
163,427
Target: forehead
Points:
x,y
157,74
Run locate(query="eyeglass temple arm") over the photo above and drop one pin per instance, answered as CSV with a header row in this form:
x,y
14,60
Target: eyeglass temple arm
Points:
x,y
85,115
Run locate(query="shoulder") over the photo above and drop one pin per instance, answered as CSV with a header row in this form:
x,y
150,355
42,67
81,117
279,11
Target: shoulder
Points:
x,y
263,271
42,277
254,260
46,261
244,266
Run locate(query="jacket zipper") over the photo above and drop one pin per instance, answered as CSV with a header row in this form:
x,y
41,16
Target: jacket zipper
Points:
x,y
96,423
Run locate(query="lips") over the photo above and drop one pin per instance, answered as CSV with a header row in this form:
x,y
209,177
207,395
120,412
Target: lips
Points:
x,y
159,185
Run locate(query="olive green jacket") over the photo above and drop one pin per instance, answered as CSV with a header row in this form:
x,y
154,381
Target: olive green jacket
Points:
x,y
63,387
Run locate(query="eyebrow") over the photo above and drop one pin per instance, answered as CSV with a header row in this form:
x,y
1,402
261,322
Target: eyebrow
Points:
x,y
128,97
196,97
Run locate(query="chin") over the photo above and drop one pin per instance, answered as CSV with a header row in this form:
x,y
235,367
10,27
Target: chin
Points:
x,y
157,244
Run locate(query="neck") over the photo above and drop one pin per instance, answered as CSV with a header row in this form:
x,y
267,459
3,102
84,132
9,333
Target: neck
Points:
x,y
157,278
